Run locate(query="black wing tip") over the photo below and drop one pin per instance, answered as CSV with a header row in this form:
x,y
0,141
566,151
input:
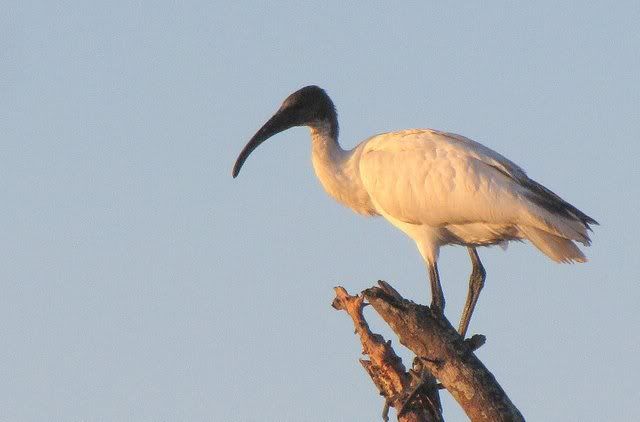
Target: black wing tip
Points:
x,y
587,221
556,205
590,221
584,218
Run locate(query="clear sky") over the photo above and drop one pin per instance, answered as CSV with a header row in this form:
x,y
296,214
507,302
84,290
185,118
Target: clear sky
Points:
x,y
141,282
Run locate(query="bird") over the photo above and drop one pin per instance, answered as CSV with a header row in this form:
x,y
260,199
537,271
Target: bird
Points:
x,y
438,188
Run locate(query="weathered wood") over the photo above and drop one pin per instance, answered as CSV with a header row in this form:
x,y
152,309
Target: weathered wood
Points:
x,y
445,355
388,372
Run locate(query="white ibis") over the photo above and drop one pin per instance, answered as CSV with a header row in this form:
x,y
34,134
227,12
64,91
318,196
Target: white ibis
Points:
x,y
439,188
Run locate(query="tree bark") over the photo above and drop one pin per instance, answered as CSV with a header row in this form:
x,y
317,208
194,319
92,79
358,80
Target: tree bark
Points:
x,y
441,352
402,389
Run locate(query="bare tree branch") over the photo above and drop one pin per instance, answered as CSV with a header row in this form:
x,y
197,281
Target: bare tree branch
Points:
x,y
445,355
415,398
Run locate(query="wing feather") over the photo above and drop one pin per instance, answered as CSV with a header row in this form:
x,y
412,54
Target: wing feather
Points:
x,y
435,178
429,177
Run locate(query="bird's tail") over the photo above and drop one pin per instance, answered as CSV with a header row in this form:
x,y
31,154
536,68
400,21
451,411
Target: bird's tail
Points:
x,y
553,225
555,247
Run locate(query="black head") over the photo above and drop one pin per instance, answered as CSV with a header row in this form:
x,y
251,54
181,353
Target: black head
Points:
x,y
308,106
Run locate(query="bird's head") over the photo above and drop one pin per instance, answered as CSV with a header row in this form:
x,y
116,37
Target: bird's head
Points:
x,y
308,106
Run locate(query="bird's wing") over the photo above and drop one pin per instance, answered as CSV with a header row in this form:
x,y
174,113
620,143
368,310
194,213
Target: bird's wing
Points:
x,y
532,190
435,178
440,179
428,177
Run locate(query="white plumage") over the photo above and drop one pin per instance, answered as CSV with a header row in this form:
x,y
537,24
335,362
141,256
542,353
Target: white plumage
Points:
x,y
442,188
439,188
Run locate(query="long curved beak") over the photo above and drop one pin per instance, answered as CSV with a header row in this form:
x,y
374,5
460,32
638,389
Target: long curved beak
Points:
x,y
275,124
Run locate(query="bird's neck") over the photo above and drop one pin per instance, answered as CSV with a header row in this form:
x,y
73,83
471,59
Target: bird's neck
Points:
x,y
325,147
337,169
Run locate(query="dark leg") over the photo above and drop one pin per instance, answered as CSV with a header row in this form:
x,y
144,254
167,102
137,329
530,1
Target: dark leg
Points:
x,y
437,297
476,282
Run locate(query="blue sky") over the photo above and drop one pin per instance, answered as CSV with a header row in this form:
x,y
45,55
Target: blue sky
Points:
x,y
141,282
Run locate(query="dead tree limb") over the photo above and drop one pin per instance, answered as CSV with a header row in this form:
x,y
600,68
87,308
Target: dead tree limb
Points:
x,y
388,372
442,353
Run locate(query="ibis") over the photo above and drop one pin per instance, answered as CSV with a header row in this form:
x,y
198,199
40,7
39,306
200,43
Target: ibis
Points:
x,y
438,188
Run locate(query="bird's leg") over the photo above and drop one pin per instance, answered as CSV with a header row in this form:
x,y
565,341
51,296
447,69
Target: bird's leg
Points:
x,y
476,282
437,297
